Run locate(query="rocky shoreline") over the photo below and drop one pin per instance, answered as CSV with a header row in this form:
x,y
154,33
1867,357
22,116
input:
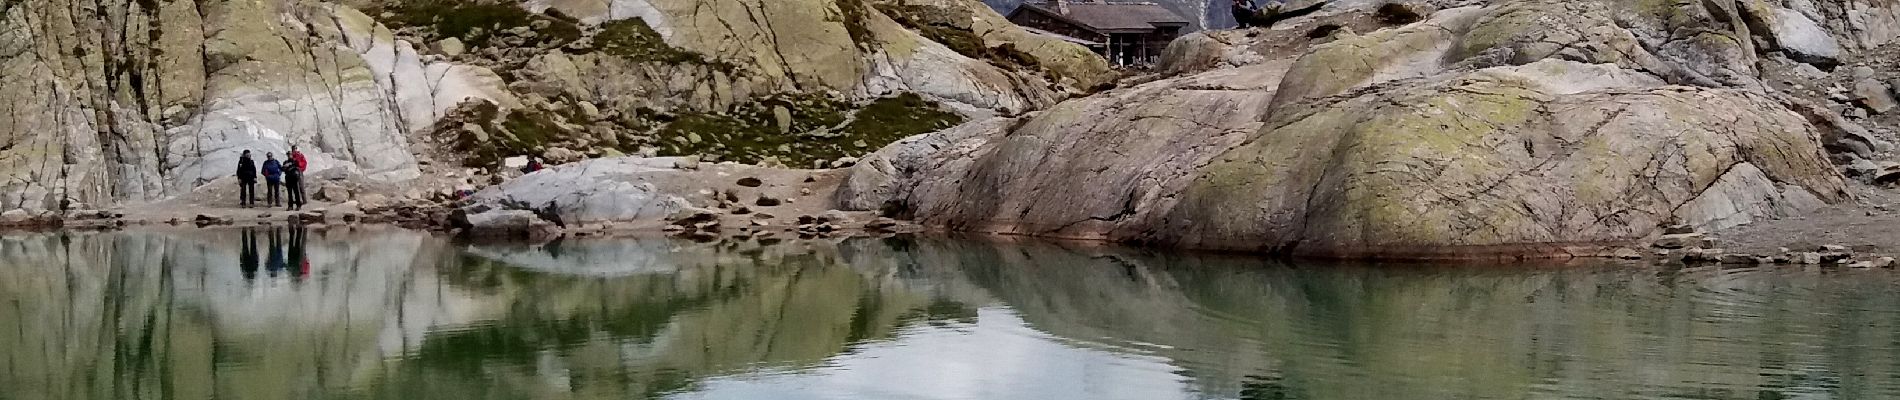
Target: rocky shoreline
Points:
x,y
1677,245
1683,246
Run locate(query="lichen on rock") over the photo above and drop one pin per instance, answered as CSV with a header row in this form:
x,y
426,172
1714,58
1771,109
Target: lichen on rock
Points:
x,y
634,40
1512,129
951,27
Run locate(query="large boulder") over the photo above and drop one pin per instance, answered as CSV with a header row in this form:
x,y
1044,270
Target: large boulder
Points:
x,y
501,223
1803,39
635,192
1516,129
603,190
1502,162
1074,170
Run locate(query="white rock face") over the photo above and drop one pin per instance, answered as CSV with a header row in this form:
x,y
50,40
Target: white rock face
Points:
x,y
100,112
1804,38
218,79
941,74
598,11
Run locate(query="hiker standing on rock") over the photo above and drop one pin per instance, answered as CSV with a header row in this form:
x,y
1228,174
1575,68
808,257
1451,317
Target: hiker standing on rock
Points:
x,y
247,180
273,180
293,183
297,157
1244,13
1250,16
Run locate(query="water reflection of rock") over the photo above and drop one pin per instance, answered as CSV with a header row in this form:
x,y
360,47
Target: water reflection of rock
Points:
x,y
406,315
398,314
164,315
1263,329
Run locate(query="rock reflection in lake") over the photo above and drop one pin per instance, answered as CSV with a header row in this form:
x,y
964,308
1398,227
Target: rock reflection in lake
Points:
x,y
388,313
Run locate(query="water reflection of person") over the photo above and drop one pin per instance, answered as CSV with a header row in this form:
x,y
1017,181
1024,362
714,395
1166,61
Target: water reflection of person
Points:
x,y
275,262
247,253
297,255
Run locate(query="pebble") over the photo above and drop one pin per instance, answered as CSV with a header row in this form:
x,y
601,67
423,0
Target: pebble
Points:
x,y
1622,253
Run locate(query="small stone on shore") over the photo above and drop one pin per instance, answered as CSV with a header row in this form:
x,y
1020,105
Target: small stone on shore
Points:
x,y
1680,241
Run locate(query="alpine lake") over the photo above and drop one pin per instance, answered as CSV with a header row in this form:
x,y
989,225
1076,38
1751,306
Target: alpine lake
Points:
x,y
386,313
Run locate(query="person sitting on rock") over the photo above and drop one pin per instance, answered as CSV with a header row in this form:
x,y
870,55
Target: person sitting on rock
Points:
x,y
273,180
1245,13
247,180
1265,16
534,165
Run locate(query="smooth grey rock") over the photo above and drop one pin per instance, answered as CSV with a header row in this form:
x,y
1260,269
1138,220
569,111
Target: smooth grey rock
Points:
x,y
450,47
1805,40
598,190
520,223
1679,241
1875,95
15,216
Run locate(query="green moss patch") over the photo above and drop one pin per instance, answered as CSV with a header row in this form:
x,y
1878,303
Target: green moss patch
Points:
x,y
852,14
892,118
633,39
950,27
478,23
797,129
518,132
752,133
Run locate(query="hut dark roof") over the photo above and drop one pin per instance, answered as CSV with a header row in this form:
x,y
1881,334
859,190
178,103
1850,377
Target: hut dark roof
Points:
x,y
1114,17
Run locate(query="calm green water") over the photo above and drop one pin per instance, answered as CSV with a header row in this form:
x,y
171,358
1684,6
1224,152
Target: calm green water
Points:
x,y
391,314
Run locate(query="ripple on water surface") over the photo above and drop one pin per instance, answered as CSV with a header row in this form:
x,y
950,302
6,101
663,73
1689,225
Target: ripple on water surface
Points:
x,y
385,313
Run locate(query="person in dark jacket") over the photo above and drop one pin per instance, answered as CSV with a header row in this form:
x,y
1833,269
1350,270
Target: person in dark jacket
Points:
x,y
273,180
1244,12
274,263
247,180
293,185
296,156
534,165
1274,11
